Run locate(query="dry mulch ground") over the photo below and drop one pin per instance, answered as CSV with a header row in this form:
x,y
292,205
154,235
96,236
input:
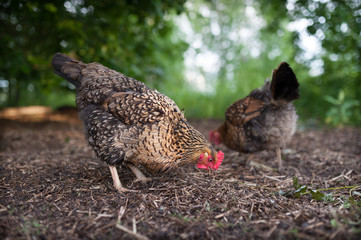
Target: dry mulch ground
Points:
x,y
52,186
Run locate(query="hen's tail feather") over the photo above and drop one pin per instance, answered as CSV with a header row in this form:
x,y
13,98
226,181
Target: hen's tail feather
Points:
x,y
68,68
284,85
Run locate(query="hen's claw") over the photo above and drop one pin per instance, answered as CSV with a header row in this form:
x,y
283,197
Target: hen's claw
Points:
x,y
123,190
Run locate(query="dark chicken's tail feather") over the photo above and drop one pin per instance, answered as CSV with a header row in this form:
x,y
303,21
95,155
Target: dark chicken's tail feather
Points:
x,y
68,68
284,85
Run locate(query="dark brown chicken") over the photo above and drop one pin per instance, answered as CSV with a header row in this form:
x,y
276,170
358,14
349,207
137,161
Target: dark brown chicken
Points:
x,y
128,123
265,119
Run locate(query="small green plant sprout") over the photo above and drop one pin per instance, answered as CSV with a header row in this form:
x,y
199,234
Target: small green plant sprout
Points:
x,y
300,190
340,112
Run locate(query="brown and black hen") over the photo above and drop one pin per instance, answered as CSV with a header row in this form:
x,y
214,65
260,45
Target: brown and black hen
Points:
x,y
128,123
264,120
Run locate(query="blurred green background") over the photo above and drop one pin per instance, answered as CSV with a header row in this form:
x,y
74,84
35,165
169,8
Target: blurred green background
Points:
x,y
203,54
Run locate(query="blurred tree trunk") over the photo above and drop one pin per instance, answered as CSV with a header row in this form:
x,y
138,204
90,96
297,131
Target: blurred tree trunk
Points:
x,y
14,93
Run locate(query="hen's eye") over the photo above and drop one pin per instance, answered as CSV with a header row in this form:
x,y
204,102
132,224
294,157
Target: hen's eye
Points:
x,y
210,159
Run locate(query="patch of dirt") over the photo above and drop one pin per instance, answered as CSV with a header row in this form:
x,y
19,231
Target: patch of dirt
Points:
x,y
53,187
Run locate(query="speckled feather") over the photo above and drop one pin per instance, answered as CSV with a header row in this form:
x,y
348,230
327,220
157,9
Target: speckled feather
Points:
x,y
125,121
266,119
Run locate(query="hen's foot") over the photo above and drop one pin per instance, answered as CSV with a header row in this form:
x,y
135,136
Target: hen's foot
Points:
x,y
116,181
123,189
143,180
140,176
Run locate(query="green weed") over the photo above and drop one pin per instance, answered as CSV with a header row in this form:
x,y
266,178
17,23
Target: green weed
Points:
x,y
33,227
341,111
300,190
293,231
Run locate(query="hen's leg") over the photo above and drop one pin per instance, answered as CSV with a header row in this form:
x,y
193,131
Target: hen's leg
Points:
x,y
249,158
116,181
140,176
279,159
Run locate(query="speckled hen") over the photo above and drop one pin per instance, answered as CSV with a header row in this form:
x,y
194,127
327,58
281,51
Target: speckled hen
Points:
x,y
128,123
264,120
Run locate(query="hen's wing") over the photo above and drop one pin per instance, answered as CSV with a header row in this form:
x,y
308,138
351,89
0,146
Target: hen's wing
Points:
x,y
244,110
141,108
99,83
245,130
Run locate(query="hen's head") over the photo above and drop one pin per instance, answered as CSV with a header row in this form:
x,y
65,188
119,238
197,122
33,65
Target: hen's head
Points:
x,y
215,137
210,160
195,148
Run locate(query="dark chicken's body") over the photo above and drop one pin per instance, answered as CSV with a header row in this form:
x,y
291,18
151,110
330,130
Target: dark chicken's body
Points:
x,y
264,120
127,122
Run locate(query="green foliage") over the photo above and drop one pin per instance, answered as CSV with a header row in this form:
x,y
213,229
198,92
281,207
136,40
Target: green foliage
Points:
x,y
241,55
340,112
33,227
247,55
134,37
301,190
